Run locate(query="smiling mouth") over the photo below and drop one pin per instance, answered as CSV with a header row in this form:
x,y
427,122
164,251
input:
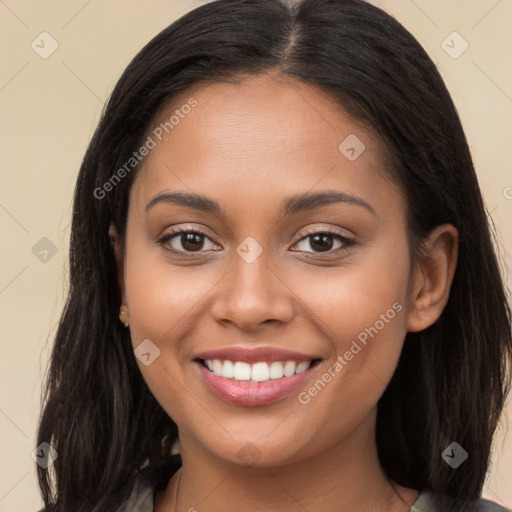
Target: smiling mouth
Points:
x,y
261,371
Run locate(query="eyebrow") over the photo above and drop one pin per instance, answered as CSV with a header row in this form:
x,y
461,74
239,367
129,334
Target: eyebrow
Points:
x,y
291,205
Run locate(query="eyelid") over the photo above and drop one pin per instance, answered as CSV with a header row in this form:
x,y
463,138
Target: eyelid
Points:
x,y
327,231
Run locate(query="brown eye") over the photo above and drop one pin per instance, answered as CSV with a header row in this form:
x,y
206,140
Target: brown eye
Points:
x,y
324,241
185,241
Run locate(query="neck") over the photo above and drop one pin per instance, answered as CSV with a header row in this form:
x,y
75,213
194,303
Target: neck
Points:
x,y
345,476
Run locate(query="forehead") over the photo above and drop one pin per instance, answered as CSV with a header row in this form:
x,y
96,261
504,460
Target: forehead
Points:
x,y
272,134
272,110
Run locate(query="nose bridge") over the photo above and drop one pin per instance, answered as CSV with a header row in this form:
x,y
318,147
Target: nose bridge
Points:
x,y
252,293
252,277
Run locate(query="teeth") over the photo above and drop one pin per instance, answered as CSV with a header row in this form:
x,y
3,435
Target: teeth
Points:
x,y
257,372
303,366
228,370
241,371
276,370
289,368
217,366
260,372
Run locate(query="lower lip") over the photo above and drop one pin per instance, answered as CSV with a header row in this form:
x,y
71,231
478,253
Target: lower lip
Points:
x,y
252,393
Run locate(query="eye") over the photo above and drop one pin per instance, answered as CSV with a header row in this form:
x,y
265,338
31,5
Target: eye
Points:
x,y
185,241
324,240
194,241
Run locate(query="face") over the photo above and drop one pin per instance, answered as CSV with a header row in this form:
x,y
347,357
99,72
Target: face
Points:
x,y
292,266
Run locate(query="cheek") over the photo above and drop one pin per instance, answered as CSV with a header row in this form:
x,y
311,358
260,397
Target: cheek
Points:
x,y
372,317
162,304
162,299
363,315
361,300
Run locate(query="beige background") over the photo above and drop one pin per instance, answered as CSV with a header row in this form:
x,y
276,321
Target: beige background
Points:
x,y
49,108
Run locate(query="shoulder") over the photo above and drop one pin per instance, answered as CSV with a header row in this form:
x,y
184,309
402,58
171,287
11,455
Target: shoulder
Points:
x,y
425,503
137,495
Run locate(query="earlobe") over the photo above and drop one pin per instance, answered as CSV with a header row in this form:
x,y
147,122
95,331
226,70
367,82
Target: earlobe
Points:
x,y
432,277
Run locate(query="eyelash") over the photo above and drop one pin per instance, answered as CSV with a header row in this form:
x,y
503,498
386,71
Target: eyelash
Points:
x,y
346,241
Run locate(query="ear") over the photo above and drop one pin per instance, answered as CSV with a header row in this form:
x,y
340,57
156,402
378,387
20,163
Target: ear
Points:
x,y
432,277
118,249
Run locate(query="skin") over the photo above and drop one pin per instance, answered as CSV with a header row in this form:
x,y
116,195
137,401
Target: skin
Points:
x,y
248,146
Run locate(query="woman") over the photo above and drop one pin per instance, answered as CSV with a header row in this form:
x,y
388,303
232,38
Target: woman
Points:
x,y
280,258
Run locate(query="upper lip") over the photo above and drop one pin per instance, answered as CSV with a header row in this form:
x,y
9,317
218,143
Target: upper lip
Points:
x,y
255,355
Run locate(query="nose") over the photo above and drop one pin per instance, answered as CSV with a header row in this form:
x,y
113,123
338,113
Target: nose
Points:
x,y
252,294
